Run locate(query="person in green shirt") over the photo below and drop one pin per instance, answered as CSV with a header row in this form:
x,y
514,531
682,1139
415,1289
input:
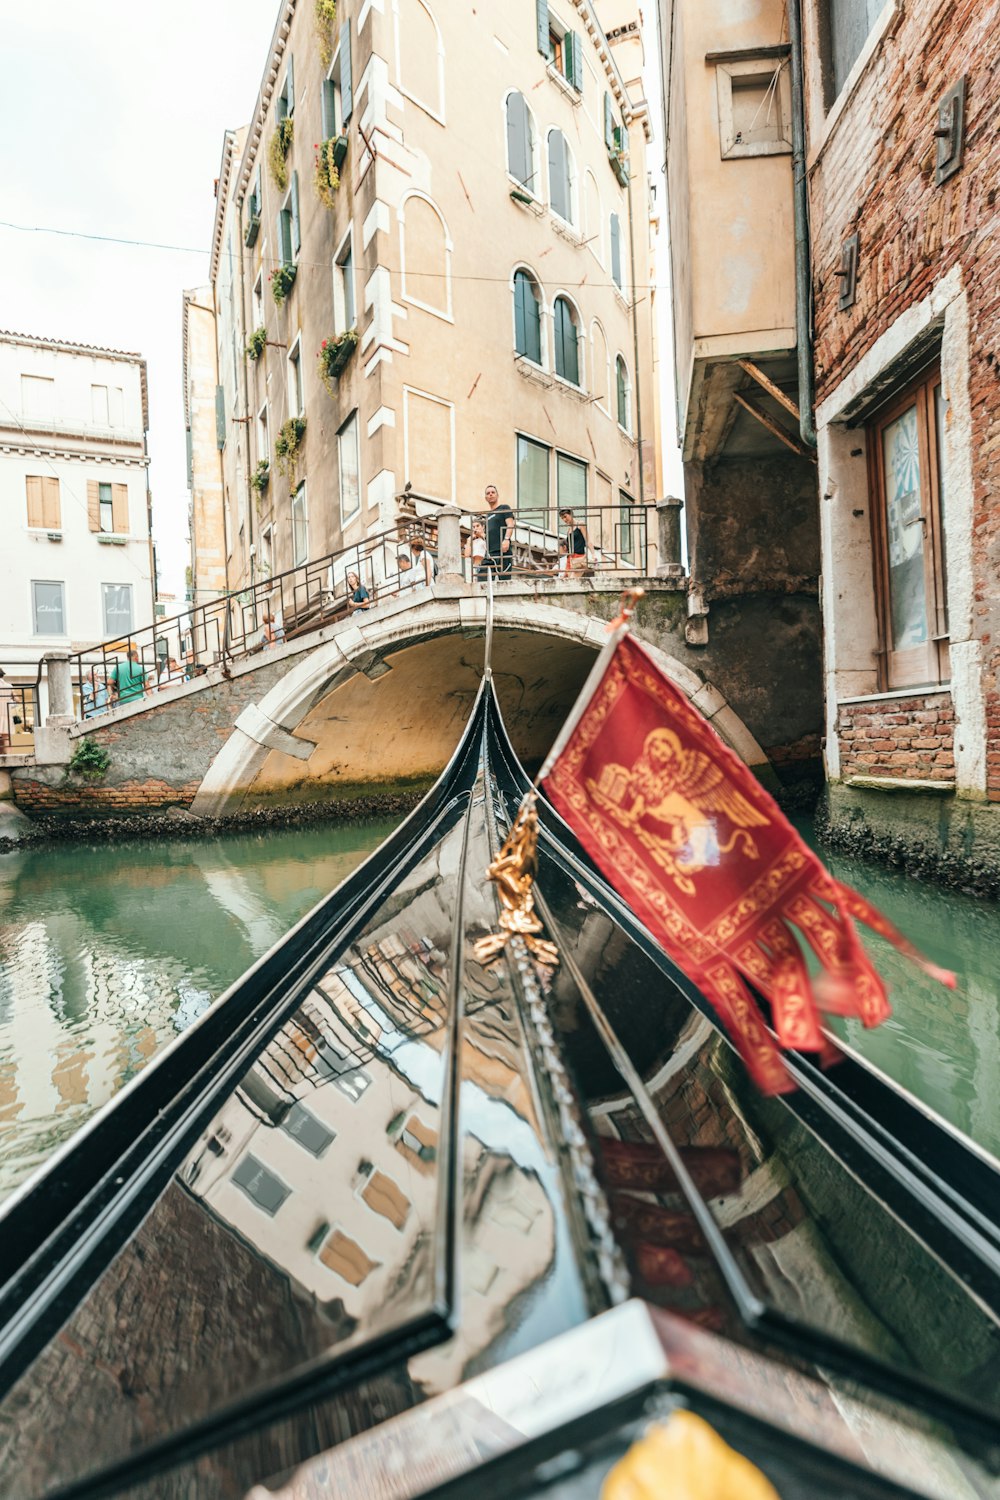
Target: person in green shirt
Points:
x,y
128,678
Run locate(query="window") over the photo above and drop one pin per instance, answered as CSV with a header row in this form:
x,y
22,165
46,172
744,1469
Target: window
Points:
x,y
312,1135
571,485
289,233
624,394
47,609
116,600
107,507
616,251
258,301
263,436
532,481
561,177
560,47
300,527
522,144
346,1257
42,493
616,141
755,105
848,23
286,99
349,464
260,1184
527,317
626,536
99,405
38,397
338,93
296,395
903,447
567,341
345,315
384,1197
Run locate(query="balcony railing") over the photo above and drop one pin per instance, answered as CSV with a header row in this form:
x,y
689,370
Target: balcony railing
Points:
x,y
273,609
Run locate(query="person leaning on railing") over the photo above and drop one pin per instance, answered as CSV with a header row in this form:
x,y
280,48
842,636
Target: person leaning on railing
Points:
x,y
128,679
358,596
577,541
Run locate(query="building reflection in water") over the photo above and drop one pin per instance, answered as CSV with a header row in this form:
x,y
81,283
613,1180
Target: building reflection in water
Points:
x,y
305,1220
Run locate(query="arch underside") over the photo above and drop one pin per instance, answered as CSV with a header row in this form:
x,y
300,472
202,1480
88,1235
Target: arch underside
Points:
x,y
381,711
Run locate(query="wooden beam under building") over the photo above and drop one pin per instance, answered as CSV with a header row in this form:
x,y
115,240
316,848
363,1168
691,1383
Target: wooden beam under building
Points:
x,y
756,373
774,427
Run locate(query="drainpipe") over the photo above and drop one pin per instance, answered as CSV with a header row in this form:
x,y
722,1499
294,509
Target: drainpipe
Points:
x,y
800,196
641,496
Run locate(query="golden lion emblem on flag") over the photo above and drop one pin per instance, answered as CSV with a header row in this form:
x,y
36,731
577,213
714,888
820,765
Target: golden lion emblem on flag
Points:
x,y
677,803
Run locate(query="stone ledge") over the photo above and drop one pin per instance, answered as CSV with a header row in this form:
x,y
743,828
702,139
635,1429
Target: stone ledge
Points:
x,y
900,784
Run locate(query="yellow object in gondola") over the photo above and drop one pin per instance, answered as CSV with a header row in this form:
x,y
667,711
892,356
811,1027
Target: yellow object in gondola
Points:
x,y
513,873
685,1459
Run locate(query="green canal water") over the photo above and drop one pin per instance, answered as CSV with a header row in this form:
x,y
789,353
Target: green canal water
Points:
x,y
105,954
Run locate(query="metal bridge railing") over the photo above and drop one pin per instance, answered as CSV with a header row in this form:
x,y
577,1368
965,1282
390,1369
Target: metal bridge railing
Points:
x,y
619,539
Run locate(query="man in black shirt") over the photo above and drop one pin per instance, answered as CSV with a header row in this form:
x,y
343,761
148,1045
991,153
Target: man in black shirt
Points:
x,y
499,533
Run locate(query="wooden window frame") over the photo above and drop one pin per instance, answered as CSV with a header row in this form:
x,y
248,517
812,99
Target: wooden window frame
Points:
x,y
928,664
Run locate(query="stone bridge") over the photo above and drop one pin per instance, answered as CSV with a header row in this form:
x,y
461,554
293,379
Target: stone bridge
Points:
x,y
375,704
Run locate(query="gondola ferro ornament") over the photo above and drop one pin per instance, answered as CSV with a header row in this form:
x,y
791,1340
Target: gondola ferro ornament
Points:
x,y
513,873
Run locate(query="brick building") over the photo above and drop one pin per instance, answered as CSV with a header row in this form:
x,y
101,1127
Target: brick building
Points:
x,y
901,106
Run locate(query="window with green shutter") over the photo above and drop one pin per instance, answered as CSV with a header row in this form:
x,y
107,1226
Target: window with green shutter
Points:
x,y
623,393
527,318
285,237
560,176
293,208
220,416
542,21
573,61
616,251
567,342
346,83
521,142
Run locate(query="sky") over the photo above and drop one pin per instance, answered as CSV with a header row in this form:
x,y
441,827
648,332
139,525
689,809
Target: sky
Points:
x,y
111,124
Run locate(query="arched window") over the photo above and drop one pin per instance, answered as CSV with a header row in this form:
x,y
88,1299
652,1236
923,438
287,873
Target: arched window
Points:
x,y
527,317
624,395
426,255
561,177
567,340
599,382
521,143
616,251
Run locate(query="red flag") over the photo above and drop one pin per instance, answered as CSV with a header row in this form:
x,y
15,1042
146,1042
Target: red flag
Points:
x,y
705,857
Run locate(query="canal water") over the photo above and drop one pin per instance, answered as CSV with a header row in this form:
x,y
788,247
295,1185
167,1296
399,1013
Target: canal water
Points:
x,y
106,953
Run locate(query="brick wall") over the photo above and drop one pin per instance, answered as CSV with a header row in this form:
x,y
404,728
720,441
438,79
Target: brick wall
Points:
x,y
875,176
910,738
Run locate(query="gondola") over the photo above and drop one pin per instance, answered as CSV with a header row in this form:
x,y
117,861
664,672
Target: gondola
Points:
x,y
379,1183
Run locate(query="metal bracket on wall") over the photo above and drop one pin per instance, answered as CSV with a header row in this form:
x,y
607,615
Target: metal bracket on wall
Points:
x,y
848,273
950,133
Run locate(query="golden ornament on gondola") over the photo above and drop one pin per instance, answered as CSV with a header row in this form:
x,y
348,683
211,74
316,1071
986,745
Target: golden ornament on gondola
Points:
x,y
685,1459
513,873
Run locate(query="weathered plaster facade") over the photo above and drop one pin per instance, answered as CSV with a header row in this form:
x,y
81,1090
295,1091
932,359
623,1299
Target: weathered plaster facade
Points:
x,y
418,251
750,481
209,575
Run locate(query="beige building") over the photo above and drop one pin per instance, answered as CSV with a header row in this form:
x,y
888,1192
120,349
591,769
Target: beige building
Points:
x,y
462,193
751,502
206,514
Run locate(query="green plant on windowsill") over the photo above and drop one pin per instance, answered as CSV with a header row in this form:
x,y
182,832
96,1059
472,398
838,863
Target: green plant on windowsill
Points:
x,y
282,279
260,476
324,17
277,153
287,445
257,343
89,760
326,175
333,356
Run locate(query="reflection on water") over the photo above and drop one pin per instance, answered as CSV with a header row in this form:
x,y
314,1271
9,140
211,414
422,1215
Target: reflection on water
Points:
x,y
942,1045
105,954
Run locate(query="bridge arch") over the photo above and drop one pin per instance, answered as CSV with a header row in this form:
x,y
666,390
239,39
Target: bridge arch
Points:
x,y
380,704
